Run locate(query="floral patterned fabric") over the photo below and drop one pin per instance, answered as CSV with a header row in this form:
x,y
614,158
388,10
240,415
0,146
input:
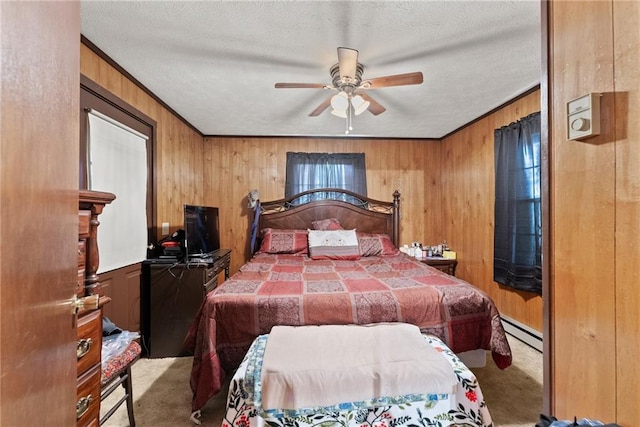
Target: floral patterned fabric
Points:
x,y
296,290
117,363
464,408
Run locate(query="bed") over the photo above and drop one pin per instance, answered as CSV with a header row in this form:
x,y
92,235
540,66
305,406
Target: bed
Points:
x,y
285,283
464,404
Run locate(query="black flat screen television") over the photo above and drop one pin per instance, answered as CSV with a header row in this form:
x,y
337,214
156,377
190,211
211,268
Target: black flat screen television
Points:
x,y
201,230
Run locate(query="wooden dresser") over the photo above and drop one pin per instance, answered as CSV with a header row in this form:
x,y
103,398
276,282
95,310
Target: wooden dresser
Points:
x,y
89,302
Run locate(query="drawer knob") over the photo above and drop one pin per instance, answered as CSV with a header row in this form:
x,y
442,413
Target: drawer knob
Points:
x,y
84,345
83,406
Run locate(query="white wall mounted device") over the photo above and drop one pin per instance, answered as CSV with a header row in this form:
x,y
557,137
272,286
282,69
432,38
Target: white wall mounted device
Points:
x,y
583,117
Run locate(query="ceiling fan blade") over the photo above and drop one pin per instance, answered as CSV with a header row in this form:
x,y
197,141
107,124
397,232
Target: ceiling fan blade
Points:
x,y
348,62
395,80
300,86
320,108
375,107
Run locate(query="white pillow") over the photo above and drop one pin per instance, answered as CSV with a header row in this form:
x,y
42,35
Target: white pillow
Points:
x,y
333,244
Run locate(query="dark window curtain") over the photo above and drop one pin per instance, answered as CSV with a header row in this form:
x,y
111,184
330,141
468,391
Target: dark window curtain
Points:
x,y
308,171
518,226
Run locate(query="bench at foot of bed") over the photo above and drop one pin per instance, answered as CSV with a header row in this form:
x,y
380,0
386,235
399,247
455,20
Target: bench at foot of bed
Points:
x,y
383,375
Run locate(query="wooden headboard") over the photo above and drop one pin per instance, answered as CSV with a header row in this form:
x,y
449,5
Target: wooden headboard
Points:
x,y
351,209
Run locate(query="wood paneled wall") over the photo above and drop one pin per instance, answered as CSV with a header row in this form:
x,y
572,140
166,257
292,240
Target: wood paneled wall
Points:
x,y
234,166
467,183
123,287
595,197
626,25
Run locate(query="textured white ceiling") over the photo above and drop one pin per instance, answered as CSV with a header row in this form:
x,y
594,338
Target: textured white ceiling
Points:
x,y
216,62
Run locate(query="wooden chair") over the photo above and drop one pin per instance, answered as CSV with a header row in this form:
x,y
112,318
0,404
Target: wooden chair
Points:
x,y
116,371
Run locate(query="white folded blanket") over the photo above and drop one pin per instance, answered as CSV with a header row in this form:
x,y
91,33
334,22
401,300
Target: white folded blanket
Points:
x,y
312,366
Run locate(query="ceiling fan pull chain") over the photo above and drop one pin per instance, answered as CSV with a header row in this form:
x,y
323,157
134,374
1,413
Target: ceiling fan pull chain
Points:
x,y
346,126
349,127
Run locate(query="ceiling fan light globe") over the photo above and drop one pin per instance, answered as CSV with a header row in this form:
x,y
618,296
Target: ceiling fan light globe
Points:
x,y
340,101
339,113
359,105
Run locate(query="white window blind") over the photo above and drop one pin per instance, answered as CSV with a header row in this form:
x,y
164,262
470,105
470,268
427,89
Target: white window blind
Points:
x,y
118,164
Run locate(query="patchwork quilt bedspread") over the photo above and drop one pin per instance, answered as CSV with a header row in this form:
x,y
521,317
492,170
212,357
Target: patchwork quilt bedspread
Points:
x,y
295,290
463,407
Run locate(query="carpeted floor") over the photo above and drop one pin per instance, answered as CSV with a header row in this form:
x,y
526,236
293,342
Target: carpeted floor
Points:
x,y
514,396
162,397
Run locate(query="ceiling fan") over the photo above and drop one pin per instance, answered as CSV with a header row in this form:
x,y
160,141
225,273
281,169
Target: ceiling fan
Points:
x,y
346,77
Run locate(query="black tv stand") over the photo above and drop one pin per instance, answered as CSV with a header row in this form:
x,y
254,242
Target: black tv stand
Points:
x,y
171,294
217,260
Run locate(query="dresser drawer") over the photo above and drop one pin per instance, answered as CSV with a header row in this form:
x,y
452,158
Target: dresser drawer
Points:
x,y
221,263
84,227
82,262
211,279
82,254
88,397
442,267
89,340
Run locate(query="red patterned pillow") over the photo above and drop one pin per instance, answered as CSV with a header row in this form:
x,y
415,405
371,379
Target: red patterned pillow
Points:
x,y
376,245
327,224
283,241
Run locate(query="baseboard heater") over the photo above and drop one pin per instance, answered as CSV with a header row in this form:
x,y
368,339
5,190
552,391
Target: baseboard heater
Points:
x,y
522,332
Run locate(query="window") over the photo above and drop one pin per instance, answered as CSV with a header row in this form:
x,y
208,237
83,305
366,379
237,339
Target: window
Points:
x,y
308,171
518,228
104,115
117,163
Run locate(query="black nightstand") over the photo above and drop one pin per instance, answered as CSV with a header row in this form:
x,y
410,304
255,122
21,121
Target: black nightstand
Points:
x,y
442,264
